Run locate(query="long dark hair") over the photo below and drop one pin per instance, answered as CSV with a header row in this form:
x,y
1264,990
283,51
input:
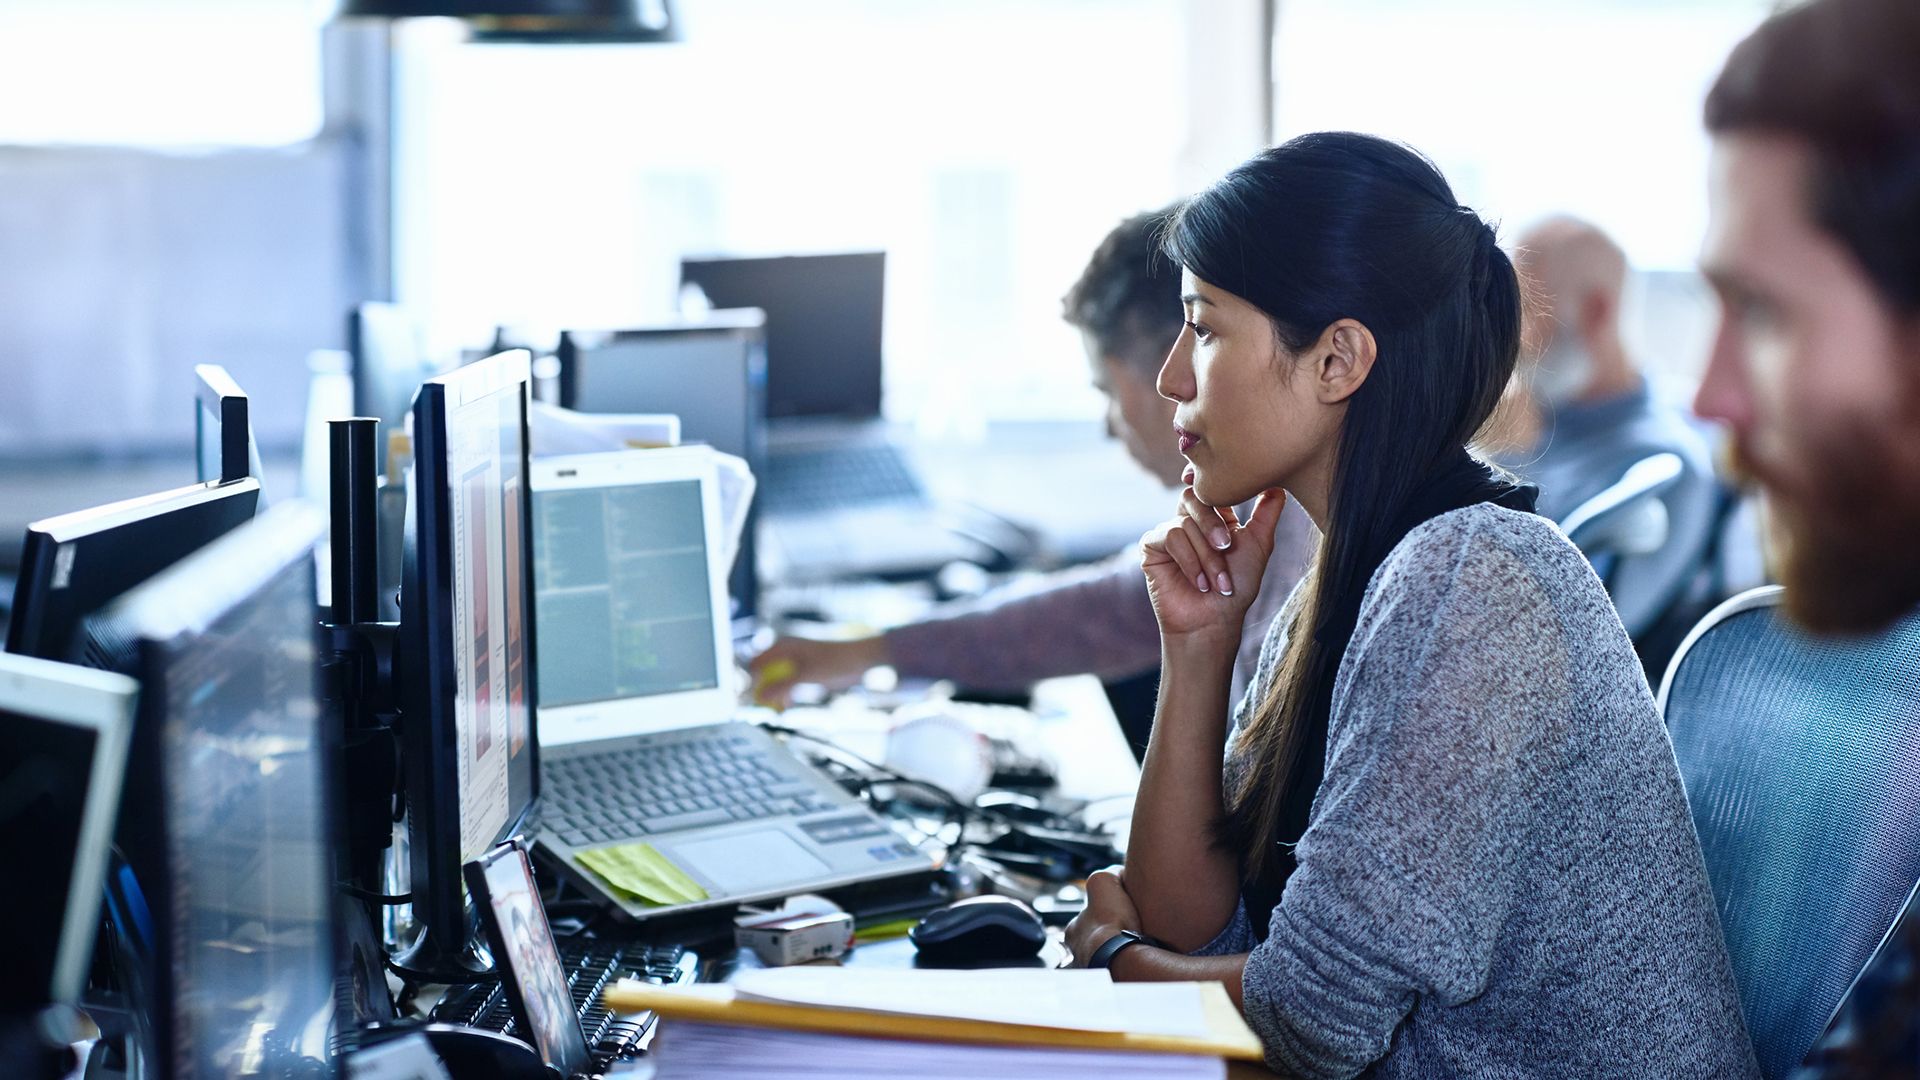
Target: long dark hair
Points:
x,y
1329,226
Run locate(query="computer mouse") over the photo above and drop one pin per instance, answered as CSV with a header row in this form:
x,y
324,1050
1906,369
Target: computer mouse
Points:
x,y
980,928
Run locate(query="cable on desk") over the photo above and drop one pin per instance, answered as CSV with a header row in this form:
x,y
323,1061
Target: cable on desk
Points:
x,y
893,776
967,811
386,899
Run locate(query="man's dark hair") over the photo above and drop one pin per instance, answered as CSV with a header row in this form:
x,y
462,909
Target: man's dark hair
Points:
x,y
1844,75
1128,297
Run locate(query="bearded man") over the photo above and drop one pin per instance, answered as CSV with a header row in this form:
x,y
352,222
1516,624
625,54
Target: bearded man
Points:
x,y
1814,249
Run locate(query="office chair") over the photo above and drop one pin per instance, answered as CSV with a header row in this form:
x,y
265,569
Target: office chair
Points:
x,y
1627,518
1800,759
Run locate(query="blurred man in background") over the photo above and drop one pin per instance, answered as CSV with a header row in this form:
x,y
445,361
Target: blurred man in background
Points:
x,y
1097,618
1814,249
1598,416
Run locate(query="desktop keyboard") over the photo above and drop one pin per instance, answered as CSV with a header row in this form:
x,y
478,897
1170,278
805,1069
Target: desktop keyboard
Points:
x,y
811,481
685,784
591,966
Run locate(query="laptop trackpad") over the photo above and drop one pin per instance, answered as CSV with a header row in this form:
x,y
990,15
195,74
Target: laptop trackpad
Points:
x,y
752,861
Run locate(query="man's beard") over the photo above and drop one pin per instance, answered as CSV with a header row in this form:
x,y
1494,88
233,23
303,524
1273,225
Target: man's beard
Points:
x,y
1563,370
1848,533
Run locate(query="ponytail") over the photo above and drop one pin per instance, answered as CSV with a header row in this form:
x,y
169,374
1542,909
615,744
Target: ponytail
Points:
x,y
1330,226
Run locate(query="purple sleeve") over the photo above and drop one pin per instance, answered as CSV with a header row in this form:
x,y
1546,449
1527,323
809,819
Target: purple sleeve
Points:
x,y
1095,619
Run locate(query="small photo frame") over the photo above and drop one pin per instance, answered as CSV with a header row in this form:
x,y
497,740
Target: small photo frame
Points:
x,y
502,885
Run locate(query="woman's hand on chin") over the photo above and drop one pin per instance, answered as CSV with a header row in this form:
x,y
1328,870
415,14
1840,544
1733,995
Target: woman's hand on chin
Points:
x,y
1204,567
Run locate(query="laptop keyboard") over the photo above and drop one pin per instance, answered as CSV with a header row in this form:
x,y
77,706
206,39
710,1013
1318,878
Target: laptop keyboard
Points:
x,y
591,966
686,784
816,480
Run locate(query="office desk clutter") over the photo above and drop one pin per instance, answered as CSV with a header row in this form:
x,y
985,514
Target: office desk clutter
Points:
x,y
619,753
817,664
1005,1022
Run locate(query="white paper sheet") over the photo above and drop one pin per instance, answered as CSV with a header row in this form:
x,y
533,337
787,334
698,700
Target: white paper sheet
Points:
x,y
1073,998
1077,999
1156,1008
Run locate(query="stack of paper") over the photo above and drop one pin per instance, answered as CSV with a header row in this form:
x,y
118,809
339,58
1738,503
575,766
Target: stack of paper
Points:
x,y
690,1051
867,1022
1074,999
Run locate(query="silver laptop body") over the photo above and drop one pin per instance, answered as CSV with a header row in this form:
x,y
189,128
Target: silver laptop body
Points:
x,y
638,741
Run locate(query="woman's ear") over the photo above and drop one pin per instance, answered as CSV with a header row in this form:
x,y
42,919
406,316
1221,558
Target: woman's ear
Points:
x,y
1343,358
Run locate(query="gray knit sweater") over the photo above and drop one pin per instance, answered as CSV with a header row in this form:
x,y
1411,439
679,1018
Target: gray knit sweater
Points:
x,y
1499,877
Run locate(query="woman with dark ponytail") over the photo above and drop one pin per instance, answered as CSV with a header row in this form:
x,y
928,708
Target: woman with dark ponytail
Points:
x,y
1451,839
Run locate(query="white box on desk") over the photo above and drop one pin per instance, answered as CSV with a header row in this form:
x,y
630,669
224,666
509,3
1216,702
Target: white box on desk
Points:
x,y
782,938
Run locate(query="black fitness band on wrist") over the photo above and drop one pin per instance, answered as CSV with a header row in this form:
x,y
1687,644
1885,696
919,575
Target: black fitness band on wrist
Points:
x,y
1111,947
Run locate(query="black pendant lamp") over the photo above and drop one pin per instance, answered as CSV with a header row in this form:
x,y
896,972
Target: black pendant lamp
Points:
x,y
540,21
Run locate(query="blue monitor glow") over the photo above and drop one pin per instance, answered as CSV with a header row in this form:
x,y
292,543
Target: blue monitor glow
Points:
x,y
227,819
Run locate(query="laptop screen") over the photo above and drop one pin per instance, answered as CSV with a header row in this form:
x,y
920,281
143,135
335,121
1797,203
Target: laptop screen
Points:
x,y
44,770
621,592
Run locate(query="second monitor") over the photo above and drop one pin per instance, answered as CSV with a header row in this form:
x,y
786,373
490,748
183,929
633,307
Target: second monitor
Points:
x,y
824,317
467,640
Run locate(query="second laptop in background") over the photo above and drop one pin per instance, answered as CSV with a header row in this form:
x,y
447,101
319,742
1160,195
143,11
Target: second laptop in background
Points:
x,y
654,798
791,381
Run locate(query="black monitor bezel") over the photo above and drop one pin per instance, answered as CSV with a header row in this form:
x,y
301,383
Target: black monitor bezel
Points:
x,y
160,516
216,392
444,947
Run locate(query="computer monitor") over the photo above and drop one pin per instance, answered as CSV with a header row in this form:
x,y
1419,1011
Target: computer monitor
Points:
x,y
388,366
823,326
63,752
227,820
467,647
712,374
224,447
73,564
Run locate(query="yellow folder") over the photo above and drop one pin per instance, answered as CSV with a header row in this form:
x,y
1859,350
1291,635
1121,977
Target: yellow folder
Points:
x,y
1227,1034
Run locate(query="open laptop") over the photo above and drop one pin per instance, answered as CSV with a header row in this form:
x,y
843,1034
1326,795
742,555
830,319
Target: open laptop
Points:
x,y
838,496
64,732
636,696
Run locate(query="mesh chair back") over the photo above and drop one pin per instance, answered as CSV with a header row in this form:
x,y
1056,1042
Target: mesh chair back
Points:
x,y
1801,758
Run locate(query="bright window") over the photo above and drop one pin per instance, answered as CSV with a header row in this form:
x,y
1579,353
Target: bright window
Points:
x,y
1590,107
160,73
985,146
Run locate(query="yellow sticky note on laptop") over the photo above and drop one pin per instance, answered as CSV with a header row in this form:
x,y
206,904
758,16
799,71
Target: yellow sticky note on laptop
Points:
x,y
642,872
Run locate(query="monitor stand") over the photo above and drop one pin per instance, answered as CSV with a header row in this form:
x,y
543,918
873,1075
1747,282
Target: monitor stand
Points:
x,y
432,958
470,1051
